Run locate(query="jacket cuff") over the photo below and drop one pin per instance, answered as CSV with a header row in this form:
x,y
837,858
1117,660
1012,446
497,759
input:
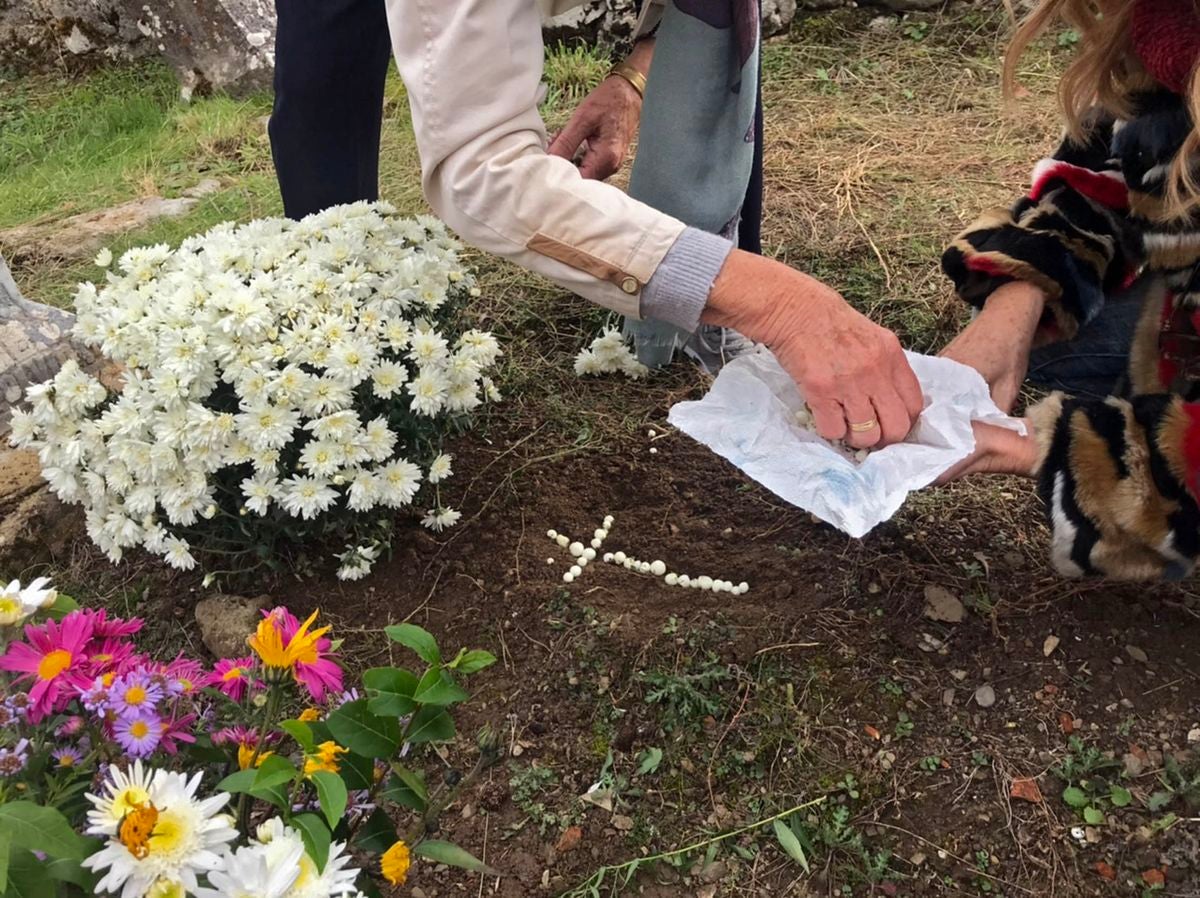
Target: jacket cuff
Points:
x,y
679,288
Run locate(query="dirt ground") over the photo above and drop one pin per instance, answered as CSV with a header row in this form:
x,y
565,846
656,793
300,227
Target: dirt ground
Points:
x,y
1045,744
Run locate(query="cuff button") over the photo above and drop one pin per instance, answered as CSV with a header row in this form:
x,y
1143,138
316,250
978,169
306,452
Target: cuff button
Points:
x,y
630,285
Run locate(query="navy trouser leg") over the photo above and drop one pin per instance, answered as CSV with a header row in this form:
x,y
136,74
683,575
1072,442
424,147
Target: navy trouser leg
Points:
x,y
331,60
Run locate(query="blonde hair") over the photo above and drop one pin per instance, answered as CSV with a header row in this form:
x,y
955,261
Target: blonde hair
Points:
x,y
1106,72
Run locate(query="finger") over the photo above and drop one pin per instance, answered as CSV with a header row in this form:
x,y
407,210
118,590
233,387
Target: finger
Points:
x,y
600,161
894,422
568,141
828,418
859,412
908,388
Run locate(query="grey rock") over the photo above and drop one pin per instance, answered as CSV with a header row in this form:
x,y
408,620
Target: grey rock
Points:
x,y
226,621
226,45
943,605
35,340
985,696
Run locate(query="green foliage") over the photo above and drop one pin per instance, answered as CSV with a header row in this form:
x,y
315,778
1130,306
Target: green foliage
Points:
x,y
688,697
1090,789
571,72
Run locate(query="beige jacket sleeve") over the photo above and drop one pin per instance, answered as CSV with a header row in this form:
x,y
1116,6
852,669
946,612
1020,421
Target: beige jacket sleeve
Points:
x,y
473,71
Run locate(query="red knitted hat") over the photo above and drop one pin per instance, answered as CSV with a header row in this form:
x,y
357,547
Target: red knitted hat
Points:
x,y
1166,38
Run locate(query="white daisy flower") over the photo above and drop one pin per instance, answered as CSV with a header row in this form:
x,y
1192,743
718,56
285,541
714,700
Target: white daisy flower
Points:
x,y
439,468
439,519
306,497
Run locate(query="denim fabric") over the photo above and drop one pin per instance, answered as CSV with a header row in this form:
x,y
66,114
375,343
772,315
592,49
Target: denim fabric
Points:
x,y
1096,362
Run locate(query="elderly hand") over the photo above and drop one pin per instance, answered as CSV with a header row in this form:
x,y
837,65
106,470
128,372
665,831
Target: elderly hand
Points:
x,y
997,451
853,373
605,123
997,342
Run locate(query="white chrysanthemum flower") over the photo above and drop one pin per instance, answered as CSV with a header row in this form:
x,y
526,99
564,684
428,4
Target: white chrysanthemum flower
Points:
x,y
439,519
609,354
178,554
260,491
335,880
587,363
17,602
439,468
428,390
104,258
267,426
256,871
398,483
388,378
158,831
306,497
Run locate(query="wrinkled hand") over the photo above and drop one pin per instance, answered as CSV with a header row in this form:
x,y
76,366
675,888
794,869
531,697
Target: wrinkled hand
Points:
x,y
604,125
850,370
997,451
997,342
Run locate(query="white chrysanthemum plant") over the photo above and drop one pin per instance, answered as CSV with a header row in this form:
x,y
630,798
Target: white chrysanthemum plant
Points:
x,y
609,354
282,381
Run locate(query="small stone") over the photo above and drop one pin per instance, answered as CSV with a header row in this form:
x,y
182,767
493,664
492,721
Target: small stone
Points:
x,y
948,696
1193,736
959,675
622,823
943,605
1050,645
1137,654
985,696
917,859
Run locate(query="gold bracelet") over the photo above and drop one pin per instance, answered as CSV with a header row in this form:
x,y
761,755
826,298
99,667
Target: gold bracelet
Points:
x,y
632,75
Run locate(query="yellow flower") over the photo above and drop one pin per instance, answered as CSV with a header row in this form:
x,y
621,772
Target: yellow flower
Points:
x,y
267,643
308,715
394,863
246,752
327,758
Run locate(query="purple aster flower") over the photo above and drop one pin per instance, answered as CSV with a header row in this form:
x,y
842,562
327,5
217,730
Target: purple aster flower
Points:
x,y
67,758
95,697
12,760
7,717
135,693
350,695
19,704
139,732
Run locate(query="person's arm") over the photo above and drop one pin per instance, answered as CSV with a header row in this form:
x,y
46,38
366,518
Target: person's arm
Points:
x,y
472,69
606,122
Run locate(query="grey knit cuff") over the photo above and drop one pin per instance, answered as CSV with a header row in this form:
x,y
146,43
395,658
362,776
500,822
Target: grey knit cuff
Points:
x,y
678,290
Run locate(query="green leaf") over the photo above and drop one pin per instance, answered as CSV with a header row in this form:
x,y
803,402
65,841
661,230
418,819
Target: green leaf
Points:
x,y
5,846
437,688
1093,815
357,772
377,833
41,829
1159,800
407,789
453,856
242,781
63,605
471,662
790,844
302,733
416,638
650,761
331,793
430,724
1120,797
411,779
392,691
274,771
66,870
1075,797
26,876
356,728
316,837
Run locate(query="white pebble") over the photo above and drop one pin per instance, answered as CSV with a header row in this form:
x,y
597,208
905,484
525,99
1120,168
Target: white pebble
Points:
x,y
589,553
658,568
562,541
549,561
608,557
619,558
651,433
743,587
672,578
628,565
597,543
653,451
553,534
582,561
600,533
684,580
576,549
718,586
568,577
575,570
861,455
608,522
705,581
645,567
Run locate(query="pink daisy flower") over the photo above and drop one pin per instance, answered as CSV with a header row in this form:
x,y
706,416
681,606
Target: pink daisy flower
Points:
x,y
176,730
238,735
52,658
232,676
104,628
108,654
319,673
184,676
139,733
